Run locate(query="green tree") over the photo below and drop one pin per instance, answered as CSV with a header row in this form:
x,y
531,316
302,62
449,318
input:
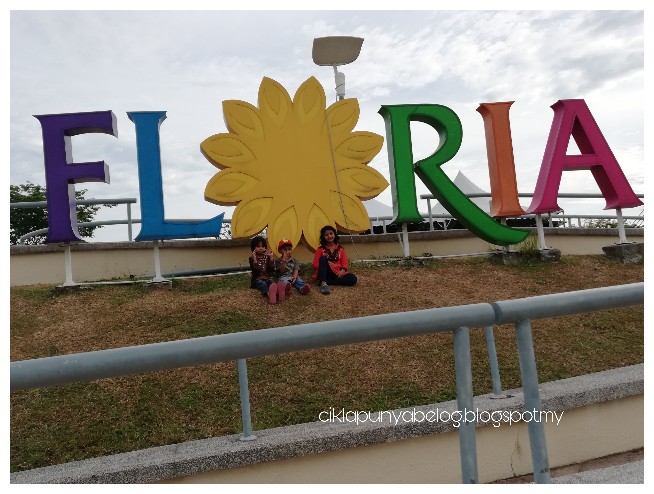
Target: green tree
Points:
x,y
26,220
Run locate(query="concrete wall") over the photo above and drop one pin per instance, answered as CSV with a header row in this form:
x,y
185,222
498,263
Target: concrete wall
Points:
x,y
603,414
44,264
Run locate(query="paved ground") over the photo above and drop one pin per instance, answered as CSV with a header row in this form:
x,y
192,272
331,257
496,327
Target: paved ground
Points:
x,y
622,468
627,473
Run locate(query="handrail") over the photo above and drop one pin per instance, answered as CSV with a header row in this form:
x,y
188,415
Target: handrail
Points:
x,y
43,231
619,217
130,222
64,369
562,195
425,216
128,201
83,202
554,216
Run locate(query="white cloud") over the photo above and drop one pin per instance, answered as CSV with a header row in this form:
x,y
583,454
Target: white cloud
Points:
x,y
188,62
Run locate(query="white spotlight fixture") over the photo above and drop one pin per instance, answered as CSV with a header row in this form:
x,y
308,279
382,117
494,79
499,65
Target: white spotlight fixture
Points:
x,y
335,51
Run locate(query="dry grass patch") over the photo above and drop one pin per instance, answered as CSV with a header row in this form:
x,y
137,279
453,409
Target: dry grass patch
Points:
x,y
78,421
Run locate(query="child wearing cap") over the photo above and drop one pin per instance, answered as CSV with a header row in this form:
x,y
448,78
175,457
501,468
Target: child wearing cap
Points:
x,y
287,269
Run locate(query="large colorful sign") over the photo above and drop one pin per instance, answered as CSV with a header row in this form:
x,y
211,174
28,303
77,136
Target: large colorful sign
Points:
x,y
293,165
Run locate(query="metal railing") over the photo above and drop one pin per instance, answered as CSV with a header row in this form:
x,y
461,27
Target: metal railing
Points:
x,y
240,346
562,195
618,217
429,216
128,201
403,236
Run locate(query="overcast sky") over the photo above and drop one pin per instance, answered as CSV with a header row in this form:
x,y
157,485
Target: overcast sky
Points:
x,y
187,62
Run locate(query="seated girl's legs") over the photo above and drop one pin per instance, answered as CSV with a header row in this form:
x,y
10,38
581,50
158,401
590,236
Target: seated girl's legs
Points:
x,y
323,270
346,280
326,274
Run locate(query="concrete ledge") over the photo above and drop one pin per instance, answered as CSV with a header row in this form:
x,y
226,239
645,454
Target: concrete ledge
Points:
x,y
102,261
346,239
177,461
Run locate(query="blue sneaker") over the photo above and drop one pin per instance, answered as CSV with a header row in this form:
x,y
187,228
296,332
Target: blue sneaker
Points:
x,y
325,290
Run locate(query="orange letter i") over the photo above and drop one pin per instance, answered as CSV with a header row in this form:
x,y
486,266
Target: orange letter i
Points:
x,y
501,165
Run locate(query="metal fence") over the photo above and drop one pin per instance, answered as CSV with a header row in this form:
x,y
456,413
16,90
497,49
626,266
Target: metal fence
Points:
x,y
240,346
618,218
128,201
383,221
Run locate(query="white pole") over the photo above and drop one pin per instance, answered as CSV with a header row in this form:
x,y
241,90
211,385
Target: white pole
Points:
x,y
157,264
405,240
621,233
69,266
505,248
431,220
339,80
541,232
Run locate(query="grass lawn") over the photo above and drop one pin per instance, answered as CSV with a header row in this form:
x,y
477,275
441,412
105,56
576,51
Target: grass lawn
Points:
x,y
84,420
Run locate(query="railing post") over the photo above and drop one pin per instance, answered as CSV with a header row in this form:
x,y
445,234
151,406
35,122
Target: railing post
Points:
x,y
494,367
431,220
245,401
529,376
129,221
463,371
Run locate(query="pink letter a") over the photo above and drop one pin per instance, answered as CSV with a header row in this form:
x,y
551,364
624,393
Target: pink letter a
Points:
x,y
572,117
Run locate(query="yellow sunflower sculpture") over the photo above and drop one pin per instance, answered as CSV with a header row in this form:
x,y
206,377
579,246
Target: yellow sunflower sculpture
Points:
x,y
292,165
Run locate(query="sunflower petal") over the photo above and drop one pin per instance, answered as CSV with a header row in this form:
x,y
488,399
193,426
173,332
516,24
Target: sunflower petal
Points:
x,y
315,221
343,116
309,101
285,225
250,217
242,118
355,218
225,150
361,146
274,101
229,186
362,181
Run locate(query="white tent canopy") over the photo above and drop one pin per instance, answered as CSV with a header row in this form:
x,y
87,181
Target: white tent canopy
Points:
x,y
376,209
466,186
